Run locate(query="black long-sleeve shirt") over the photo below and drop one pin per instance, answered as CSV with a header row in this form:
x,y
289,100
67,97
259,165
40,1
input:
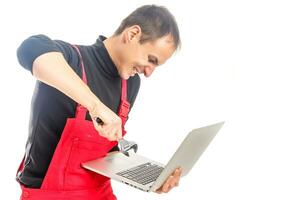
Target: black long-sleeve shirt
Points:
x,y
50,108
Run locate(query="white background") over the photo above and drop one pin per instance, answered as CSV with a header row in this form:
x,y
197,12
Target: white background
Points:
x,y
239,63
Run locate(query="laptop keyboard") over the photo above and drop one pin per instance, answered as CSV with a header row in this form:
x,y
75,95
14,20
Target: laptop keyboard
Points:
x,y
143,174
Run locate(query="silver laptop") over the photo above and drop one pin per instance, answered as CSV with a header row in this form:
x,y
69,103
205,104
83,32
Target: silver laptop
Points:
x,y
148,175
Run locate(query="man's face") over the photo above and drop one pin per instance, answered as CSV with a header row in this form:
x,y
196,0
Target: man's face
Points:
x,y
145,58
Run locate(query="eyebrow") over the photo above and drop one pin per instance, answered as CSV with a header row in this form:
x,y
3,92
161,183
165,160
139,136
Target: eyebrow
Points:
x,y
153,59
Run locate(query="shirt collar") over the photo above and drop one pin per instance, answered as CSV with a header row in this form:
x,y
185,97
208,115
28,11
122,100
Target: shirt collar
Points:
x,y
102,55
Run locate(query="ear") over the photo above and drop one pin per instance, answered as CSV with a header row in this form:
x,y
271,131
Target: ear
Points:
x,y
132,34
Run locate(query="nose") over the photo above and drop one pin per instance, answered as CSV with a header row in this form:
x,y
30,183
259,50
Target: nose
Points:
x,y
148,71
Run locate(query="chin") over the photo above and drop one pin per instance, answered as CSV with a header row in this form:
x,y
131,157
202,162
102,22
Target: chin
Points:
x,y
125,76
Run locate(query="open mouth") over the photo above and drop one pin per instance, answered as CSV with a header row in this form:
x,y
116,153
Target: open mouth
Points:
x,y
134,71
137,70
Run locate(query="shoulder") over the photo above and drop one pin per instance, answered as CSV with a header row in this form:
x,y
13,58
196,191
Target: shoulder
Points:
x,y
32,47
36,45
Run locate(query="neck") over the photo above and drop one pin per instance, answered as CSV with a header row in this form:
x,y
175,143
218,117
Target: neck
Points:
x,y
110,44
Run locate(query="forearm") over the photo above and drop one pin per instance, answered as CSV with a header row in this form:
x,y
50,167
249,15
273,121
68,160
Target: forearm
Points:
x,y
52,69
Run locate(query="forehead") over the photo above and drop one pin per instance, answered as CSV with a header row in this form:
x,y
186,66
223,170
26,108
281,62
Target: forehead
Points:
x,y
161,48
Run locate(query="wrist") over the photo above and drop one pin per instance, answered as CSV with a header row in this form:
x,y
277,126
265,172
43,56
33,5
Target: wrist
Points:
x,y
93,104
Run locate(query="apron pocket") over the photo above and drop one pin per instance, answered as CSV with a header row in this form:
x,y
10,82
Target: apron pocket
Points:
x,y
77,177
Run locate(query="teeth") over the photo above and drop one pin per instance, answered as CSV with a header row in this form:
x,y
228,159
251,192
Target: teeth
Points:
x,y
135,69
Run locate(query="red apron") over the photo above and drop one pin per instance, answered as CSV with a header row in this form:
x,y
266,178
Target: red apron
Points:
x,y
80,142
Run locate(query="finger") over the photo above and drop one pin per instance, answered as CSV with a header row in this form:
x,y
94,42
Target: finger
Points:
x,y
177,183
177,172
176,178
172,185
112,136
105,132
112,132
101,130
173,181
166,187
158,191
109,132
119,134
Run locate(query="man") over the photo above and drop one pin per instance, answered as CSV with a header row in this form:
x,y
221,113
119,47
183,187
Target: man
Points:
x,y
101,79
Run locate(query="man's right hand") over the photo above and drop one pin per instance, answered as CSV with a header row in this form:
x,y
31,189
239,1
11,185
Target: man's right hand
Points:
x,y
111,126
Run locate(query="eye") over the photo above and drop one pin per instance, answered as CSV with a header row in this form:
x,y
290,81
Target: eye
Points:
x,y
153,60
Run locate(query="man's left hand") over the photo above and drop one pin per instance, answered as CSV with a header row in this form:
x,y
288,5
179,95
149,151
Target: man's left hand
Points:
x,y
171,182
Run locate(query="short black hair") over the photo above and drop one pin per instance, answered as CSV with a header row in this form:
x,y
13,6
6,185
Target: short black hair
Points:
x,y
155,22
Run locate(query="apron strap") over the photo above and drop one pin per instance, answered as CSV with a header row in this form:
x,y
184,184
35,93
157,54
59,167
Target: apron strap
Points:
x,y
81,110
124,106
124,90
82,65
